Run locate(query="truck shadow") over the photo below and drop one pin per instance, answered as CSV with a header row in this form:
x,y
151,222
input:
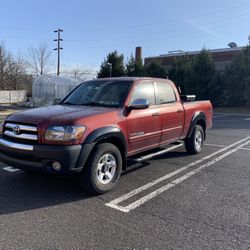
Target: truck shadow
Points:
x,y
134,166
22,191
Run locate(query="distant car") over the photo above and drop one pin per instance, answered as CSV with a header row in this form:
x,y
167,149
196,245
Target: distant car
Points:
x,y
99,125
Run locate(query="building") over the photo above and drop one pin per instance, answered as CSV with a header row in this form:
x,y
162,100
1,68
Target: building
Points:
x,y
221,57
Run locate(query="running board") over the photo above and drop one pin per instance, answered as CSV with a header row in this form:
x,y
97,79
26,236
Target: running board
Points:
x,y
149,156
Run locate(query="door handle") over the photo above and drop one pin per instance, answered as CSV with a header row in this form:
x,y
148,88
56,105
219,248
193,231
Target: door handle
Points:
x,y
156,114
179,111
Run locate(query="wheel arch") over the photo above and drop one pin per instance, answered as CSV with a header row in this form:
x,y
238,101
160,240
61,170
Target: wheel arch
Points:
x,y
199,118
110,134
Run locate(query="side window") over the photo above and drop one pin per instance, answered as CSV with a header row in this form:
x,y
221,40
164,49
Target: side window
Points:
x,y
144,90
165,93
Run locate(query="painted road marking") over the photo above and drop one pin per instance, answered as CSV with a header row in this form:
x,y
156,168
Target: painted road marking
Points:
x,y
11,169
247,149
247,119
215,145
223,146
114,203
221,116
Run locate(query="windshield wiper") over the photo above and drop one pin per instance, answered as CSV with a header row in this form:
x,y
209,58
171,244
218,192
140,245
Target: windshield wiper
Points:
x,y
97,104
94,104
68,103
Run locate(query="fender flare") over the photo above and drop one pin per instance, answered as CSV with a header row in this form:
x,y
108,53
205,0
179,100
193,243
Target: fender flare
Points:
x,y
109,132
197,117
105,133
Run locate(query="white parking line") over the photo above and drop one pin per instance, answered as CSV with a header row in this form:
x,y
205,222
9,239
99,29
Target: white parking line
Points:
x,y
223,146
221,116
114,203
214,145
11,169
247,119
247,149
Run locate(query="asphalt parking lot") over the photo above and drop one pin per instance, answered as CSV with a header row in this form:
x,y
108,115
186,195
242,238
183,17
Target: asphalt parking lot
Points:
x,y
175,201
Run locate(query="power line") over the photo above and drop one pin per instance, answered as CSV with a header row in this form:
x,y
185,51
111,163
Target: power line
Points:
x,y
188,33
131,26
166,32
160,22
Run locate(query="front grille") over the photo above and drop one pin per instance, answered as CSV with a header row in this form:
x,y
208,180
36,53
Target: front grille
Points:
x,y
20,133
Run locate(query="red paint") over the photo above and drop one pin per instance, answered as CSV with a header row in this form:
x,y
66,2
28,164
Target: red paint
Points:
x,y
171,124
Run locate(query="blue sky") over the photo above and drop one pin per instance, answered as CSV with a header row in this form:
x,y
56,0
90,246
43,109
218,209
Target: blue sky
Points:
x,y
93,28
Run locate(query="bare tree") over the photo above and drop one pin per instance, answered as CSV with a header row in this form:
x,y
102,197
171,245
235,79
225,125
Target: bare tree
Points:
x,y
39,60
80,72
18,72
6,62
13,71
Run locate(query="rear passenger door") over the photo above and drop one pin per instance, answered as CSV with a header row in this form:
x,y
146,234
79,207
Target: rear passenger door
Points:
x,y
144,126
172,113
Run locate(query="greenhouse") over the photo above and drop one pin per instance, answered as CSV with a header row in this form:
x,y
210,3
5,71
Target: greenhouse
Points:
x,y
50,89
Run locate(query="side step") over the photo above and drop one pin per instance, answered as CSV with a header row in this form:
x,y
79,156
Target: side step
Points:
x,y
149,156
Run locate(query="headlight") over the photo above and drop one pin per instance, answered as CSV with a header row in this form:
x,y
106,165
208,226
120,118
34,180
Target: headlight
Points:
x,y
64,133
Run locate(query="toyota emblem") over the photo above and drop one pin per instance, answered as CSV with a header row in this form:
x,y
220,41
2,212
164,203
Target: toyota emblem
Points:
x,y
16,130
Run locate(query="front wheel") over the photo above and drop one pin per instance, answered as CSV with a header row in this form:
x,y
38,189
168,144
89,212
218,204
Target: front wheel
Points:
x,y
103,169
194,144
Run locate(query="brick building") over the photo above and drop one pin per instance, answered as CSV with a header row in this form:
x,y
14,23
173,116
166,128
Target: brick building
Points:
x,y
221,57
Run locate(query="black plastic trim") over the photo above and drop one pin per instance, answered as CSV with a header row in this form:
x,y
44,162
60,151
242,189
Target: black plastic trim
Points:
x,y
197,116
105,133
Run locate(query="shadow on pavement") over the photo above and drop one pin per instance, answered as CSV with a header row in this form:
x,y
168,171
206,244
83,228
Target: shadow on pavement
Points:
x,y
22,191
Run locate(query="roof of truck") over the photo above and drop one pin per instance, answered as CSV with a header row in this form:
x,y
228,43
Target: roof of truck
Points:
x,y
129,78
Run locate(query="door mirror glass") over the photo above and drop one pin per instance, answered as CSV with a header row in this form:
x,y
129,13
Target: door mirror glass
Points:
x,y
139,104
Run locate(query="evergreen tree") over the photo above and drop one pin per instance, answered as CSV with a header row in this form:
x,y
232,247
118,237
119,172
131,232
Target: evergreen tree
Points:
x,y
134,67
154,69
115,62
201,74
236,80
179,71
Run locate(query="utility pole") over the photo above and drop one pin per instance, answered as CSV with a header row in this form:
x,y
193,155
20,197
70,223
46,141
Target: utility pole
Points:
x,y
58,40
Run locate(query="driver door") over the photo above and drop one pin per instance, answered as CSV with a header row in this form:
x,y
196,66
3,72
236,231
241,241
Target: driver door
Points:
x,y
144,125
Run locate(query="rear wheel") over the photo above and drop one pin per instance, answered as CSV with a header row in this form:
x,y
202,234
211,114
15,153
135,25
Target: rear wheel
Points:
x,y
194,144
103,169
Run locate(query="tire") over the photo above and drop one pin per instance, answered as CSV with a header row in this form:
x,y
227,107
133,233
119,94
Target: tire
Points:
x,y
194,144
103,169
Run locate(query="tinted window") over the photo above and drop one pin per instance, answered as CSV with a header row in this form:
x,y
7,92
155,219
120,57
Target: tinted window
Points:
x,y
165,93
100,93
145,91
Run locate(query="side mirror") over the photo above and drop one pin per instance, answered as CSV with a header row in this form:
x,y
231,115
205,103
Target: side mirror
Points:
x,y
188,98
139,104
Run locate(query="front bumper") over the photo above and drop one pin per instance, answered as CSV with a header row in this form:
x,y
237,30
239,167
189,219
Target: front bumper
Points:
x,y
40,157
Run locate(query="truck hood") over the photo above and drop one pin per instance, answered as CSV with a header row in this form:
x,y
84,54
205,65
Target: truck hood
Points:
x,y
57,113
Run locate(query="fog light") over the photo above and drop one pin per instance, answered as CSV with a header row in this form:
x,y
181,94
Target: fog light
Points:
x,y
56,166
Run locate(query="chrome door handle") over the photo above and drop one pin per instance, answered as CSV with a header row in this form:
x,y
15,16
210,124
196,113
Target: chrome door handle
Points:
x,y
156,114
179,111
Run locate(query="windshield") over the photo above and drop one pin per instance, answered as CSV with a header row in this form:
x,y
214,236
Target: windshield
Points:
x,y
100,93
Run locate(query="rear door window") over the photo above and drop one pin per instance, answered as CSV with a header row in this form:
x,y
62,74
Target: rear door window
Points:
x,y
165,93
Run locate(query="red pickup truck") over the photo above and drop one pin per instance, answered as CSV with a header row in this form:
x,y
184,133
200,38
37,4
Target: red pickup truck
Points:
x,y
101,123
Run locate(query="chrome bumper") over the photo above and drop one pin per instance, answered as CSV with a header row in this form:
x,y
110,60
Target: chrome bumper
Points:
x,y
16,145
